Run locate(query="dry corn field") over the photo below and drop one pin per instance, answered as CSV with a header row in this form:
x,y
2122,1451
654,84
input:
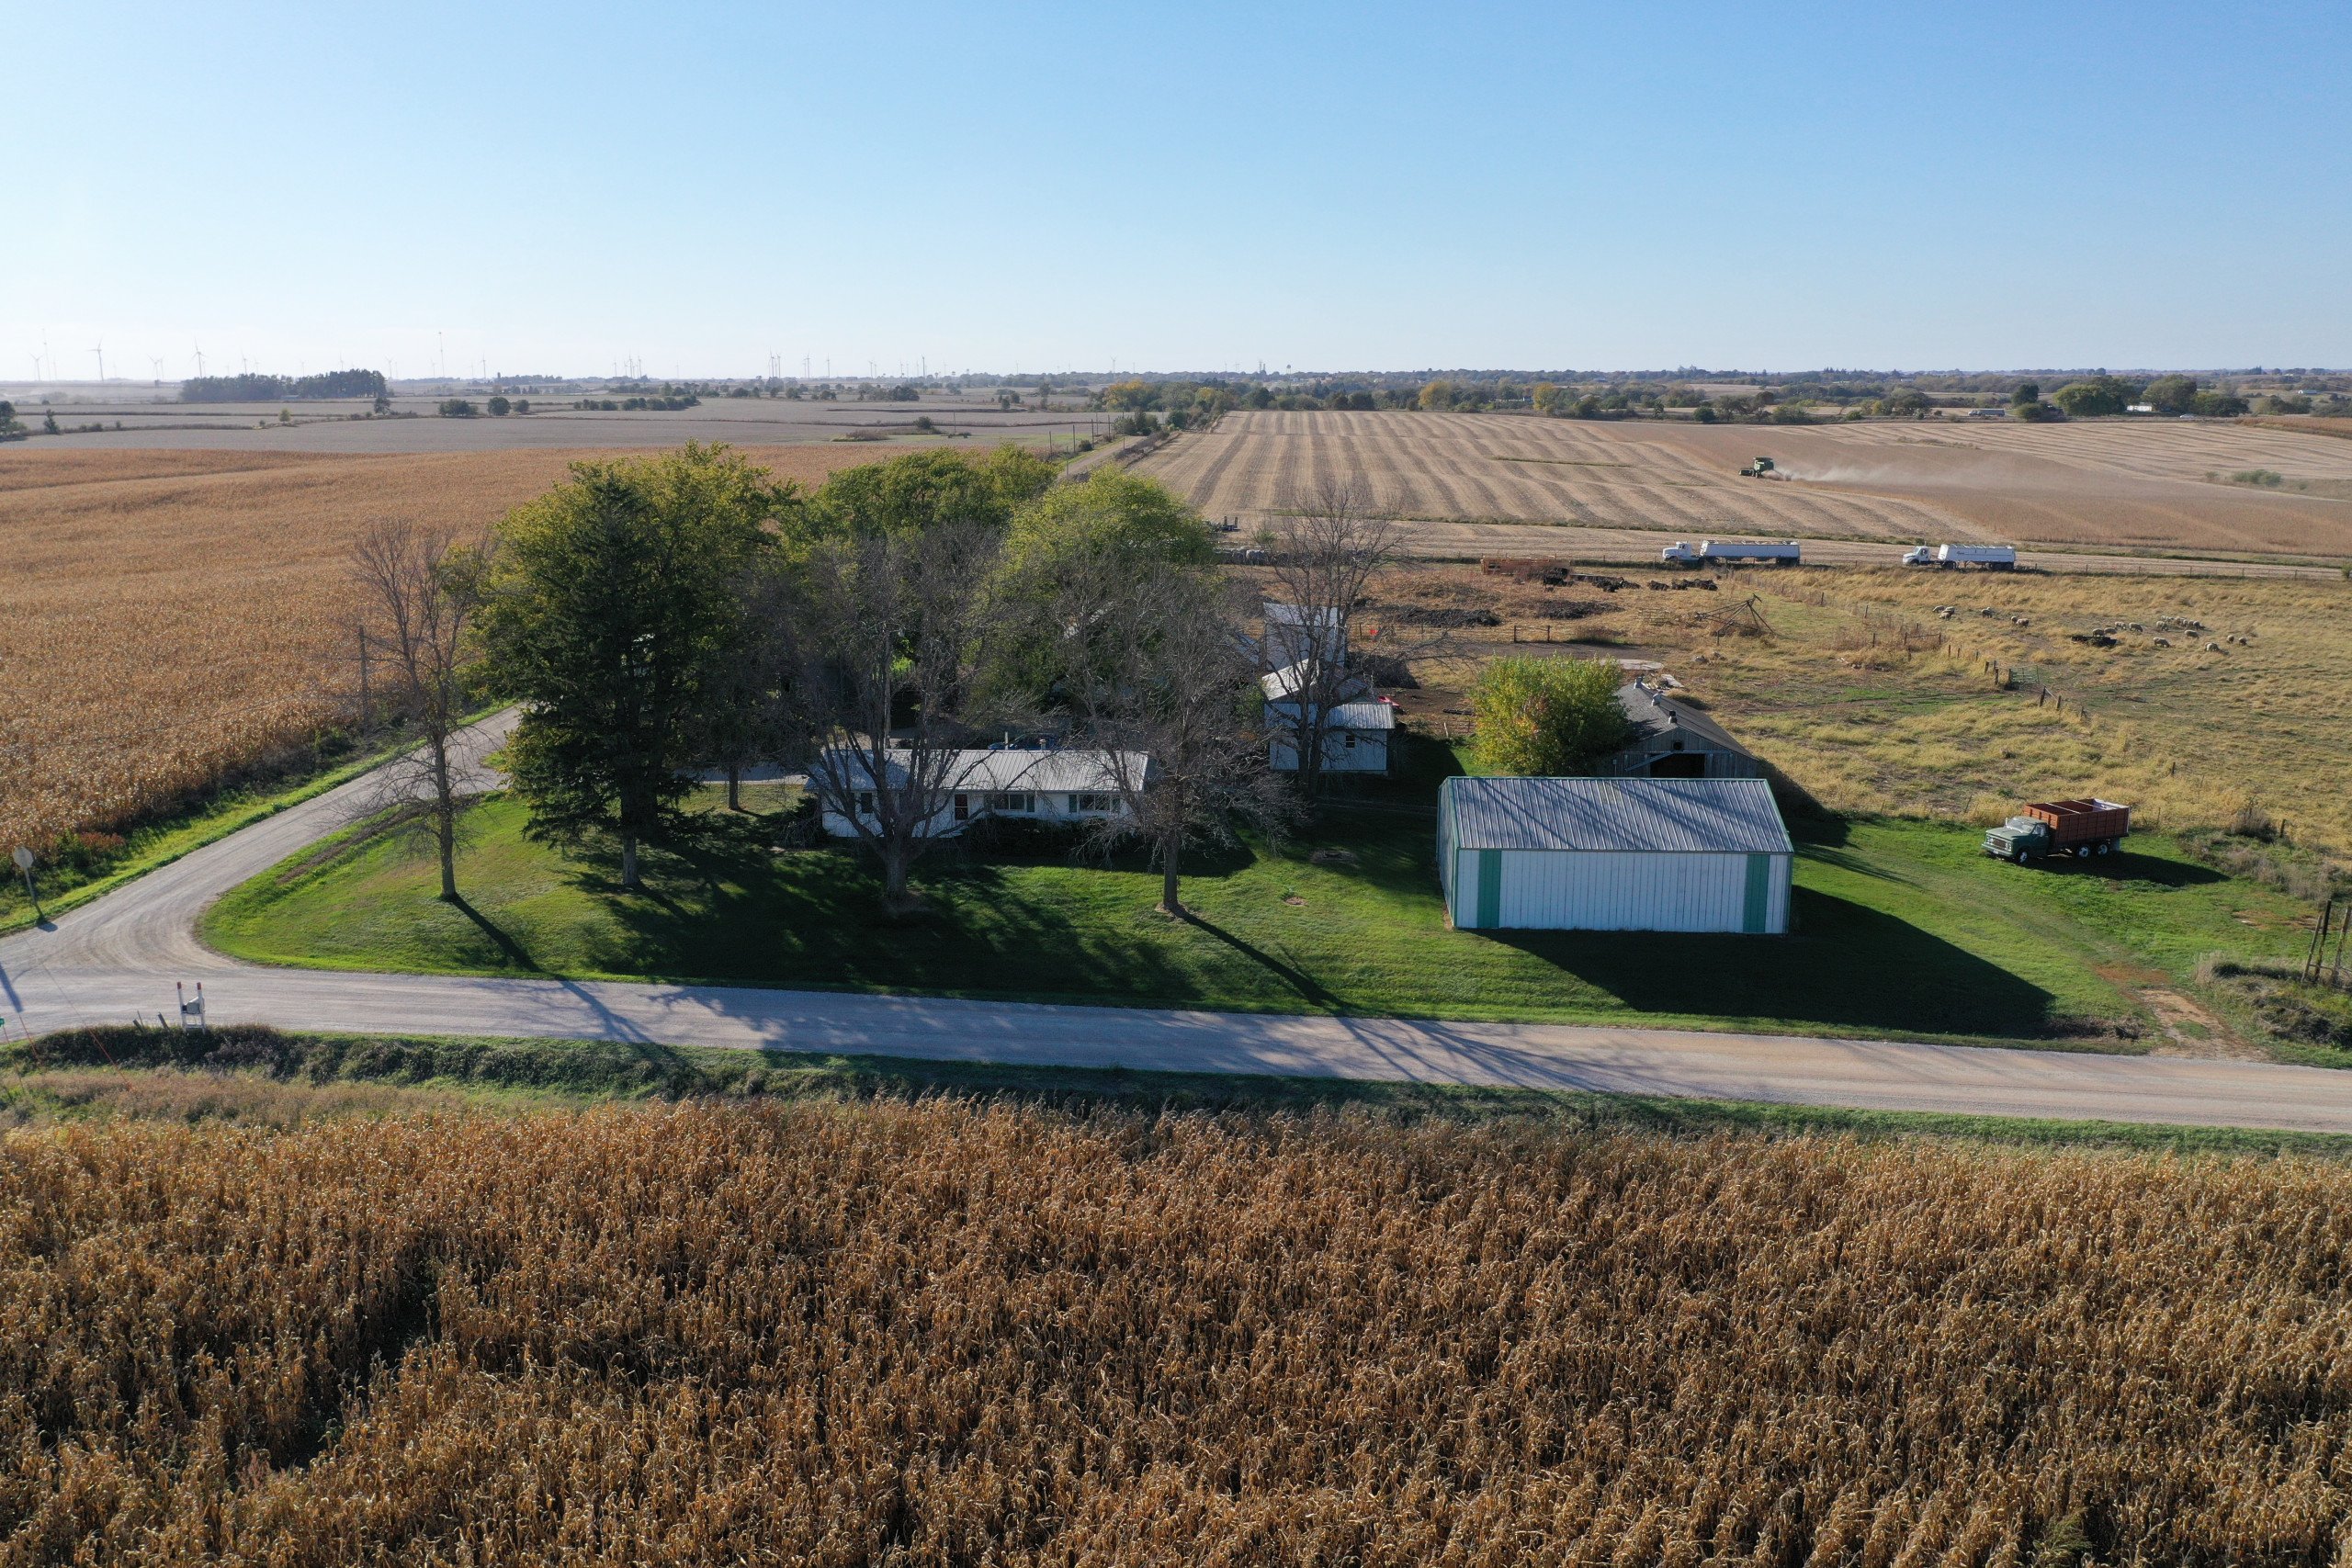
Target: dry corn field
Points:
x,y
937,1334
2191,735
2139,485
169,618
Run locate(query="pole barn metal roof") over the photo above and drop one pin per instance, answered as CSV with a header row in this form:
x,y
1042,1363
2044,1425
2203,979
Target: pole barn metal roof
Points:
x,y
1665,816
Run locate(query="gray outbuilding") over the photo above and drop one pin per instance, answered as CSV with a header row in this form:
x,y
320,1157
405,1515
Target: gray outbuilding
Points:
x,y
1640,854
1670,740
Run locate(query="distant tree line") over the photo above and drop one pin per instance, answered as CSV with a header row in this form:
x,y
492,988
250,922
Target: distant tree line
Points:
x,y
667,404
255,389
1779,398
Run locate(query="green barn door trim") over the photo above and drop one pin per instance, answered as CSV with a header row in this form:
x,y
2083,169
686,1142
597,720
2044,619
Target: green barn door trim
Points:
x,y
1753,917
1490,888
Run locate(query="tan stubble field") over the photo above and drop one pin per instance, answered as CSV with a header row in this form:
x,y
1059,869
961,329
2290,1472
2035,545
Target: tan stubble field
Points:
x,y
2139,485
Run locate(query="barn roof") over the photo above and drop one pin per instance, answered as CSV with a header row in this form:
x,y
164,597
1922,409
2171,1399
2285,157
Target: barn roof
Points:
x,y
1651,714
1719,816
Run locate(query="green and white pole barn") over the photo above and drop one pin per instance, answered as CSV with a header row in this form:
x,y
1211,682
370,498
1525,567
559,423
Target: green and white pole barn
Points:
x,y
1615,854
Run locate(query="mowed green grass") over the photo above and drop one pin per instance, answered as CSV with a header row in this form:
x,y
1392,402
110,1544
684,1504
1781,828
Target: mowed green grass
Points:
x,y
1901,927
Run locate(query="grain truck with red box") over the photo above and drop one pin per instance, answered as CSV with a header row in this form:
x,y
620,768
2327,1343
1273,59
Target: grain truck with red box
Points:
x,y
2078,828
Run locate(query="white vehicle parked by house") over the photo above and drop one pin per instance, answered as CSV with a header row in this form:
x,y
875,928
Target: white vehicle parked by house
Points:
x,y
1785,552
1992,558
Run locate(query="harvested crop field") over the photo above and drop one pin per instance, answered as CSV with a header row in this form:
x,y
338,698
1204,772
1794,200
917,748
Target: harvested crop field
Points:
x,y
935,1333
2140,485
171,618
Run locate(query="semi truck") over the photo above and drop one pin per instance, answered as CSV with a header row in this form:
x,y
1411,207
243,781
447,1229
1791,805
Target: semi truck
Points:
x,y
2078,828
1785,552
1992,557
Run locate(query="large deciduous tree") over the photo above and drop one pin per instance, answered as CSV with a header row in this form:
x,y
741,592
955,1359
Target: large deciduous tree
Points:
x,y
418,592
1325,554
1547,716
930,489
1111,516
1154,676
615,601
899,627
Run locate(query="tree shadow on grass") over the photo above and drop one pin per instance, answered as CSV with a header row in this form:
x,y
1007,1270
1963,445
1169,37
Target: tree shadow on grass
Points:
x,y
1297,979
817,918
1846,965
512,951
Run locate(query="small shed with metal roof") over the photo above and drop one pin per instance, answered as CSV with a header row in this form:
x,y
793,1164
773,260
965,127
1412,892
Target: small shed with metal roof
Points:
x,y
1646,854
1669,738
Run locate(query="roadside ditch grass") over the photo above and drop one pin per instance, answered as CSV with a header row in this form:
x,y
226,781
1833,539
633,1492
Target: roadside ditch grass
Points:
x,y
1902,927
261,1078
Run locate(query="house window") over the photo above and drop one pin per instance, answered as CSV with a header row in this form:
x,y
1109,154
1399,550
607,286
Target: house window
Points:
x,y
1092,804
865,802
963,808
1018,801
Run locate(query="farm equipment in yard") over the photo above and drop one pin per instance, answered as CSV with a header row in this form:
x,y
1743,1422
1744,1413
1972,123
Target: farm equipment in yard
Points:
x,y
2078,828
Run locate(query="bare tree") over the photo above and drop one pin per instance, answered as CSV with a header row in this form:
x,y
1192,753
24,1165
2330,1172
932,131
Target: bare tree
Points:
x,y
897,624
1155,678
419,589
1325,554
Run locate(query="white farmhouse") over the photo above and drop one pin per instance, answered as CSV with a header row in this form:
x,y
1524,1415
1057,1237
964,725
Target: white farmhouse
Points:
x,y
1070,785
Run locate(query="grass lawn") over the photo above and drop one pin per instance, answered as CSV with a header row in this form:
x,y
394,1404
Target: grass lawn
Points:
x,y
1901,927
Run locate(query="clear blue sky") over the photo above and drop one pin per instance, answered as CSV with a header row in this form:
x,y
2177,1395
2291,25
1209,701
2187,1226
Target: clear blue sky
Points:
x,y
1174,186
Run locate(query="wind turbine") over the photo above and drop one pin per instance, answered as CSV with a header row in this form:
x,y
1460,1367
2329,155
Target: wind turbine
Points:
x,y
199,362
158,361
101,352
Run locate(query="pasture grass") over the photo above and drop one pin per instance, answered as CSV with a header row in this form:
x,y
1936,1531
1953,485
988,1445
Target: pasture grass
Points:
x,y
1957,726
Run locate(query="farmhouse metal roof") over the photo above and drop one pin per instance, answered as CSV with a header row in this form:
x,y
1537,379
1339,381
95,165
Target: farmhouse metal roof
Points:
x,y
1278,614
1345,715
1285,682
1651,714
1078,768
1718,815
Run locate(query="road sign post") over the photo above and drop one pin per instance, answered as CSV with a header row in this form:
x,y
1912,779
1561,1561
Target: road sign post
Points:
x,y
24,859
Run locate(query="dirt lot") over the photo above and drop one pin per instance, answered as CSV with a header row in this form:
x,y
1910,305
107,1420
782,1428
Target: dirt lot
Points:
x,y
166,616
2141,485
